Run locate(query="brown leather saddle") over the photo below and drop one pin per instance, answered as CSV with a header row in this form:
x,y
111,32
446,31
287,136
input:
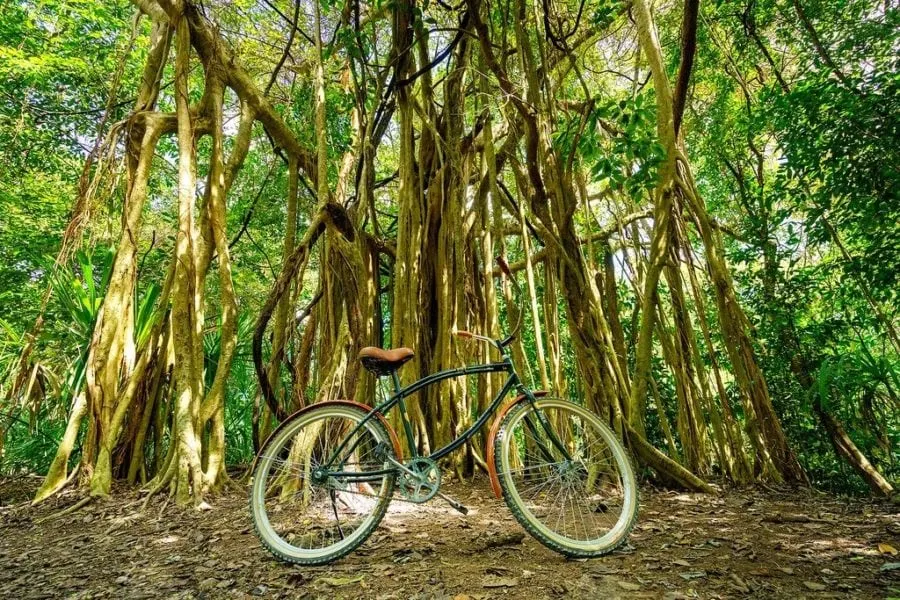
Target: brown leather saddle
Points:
x,y
384,362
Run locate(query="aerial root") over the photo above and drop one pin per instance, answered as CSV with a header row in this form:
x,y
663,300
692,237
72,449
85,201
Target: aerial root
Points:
x,y
54,490
164,480
66,511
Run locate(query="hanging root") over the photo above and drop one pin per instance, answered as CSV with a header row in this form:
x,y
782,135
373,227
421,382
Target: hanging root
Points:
x,y
479,461
56,478
174,479
234,484
665,466
49,492
163,479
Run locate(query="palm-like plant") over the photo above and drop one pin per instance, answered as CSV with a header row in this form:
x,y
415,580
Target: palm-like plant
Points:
x,y
79,296
77,292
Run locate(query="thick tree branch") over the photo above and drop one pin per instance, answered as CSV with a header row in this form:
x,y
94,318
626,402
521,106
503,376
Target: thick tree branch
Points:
x,y
688,50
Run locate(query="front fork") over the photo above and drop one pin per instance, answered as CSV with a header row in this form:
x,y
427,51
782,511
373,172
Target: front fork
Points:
x,y
545,425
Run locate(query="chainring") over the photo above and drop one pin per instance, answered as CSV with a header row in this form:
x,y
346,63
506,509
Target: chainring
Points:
x,y
423,483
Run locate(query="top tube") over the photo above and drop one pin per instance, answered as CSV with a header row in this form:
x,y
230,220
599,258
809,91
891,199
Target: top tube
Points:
x,y
497,367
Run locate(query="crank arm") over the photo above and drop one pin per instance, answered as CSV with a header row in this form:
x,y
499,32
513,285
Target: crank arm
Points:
x,y
401,466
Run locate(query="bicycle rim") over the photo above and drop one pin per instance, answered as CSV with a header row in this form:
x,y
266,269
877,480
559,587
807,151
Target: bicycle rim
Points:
x,y
577,493
304,517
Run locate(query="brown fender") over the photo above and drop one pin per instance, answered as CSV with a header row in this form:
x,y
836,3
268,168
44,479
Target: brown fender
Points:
x,y
495,427
395,441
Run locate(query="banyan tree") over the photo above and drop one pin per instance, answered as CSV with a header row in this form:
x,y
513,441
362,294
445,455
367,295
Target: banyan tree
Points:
x,y
437,137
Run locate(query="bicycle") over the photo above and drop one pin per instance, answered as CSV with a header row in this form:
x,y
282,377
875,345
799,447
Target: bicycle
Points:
x,y
323,480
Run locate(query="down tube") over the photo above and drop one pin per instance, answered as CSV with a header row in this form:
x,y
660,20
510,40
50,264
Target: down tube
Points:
x,y
511,382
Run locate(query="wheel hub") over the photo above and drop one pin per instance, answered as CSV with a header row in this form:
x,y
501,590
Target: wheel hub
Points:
x,y
570,472
318,476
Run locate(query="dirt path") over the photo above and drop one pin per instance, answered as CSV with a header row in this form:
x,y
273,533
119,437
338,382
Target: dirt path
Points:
x,y
744,545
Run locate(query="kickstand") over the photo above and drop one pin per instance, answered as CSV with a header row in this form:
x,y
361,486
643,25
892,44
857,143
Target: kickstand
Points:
x,y
458,506
334,508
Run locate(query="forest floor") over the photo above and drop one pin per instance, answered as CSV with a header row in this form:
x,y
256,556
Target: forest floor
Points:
x,y
739,545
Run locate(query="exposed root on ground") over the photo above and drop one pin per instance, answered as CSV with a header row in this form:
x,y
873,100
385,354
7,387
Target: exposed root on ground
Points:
x,y
66,511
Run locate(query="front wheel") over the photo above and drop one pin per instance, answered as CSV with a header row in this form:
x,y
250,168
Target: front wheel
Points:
x,y
566,478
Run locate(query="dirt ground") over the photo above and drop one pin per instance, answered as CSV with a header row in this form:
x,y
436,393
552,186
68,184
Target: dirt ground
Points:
x,y
740,545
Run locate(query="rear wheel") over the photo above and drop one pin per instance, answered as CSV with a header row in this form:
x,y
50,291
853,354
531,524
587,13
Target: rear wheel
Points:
x,y
310,499
566,477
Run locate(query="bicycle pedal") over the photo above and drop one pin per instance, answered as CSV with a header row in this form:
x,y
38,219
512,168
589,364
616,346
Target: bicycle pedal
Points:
x,y
458,506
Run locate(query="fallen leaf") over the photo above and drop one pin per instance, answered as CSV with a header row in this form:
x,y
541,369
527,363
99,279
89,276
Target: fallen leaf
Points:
x,y
510,539
631,587
395,530
816,587
689,575
887,549
406,555
492,581
740,584
681,563
208,584
339,581
890,567
600,570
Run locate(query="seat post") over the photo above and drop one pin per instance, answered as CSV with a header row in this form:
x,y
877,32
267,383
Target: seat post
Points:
x,y
407,427
396,380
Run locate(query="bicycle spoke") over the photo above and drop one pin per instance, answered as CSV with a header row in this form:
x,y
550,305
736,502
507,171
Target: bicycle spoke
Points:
x,y
567,479
312,487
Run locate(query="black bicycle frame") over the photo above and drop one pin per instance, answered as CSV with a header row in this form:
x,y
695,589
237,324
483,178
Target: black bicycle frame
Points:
x,y
512,381
400,393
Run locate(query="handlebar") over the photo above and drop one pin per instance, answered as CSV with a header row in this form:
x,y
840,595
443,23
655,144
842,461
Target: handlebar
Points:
x,y
474,336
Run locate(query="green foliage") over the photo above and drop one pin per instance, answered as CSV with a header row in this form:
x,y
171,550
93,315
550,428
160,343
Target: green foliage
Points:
x,y
842,159
777,161
79,298
36,426
241,391
11,342
604,12
31,441
617,140
771,163
52,94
